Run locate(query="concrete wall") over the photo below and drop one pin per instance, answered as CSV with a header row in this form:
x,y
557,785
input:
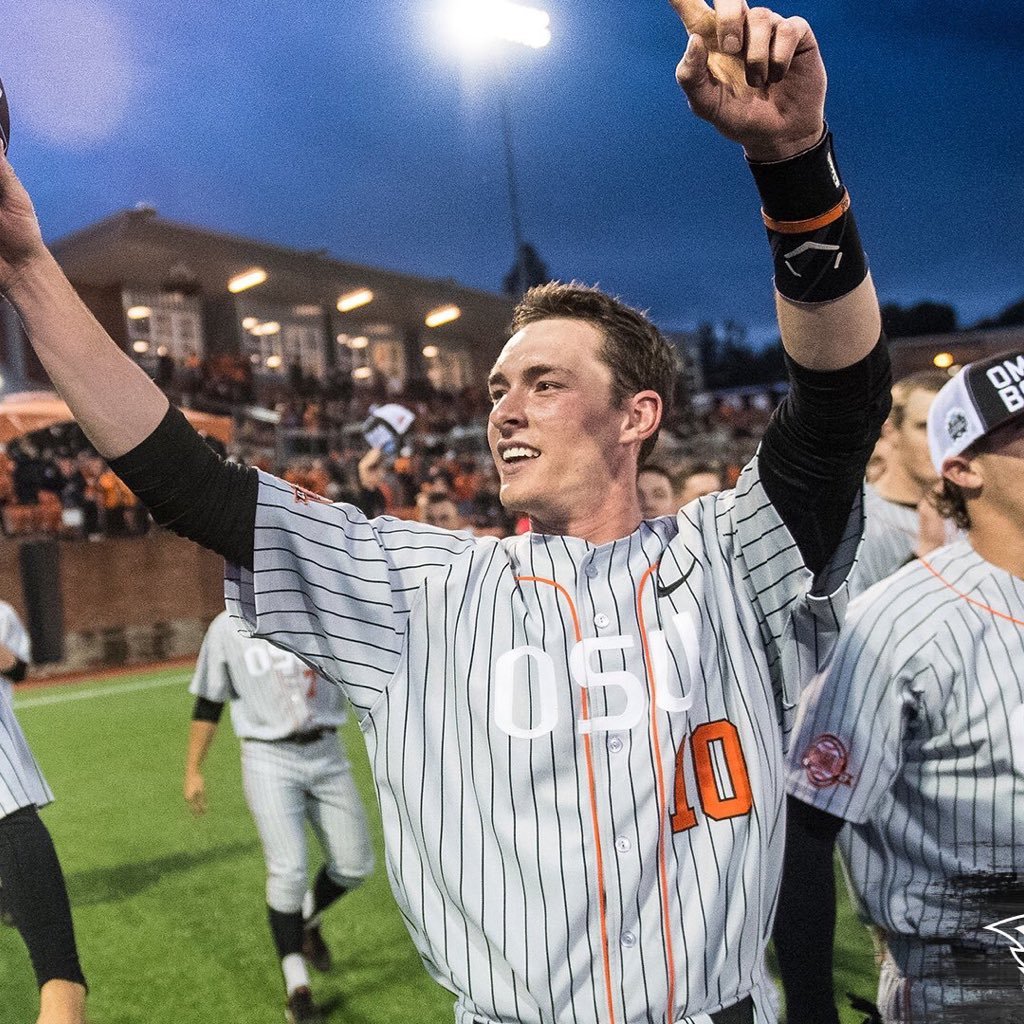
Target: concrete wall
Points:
x,y
128,600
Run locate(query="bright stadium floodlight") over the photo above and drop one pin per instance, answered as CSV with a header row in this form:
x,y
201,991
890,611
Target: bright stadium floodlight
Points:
x,y
476,23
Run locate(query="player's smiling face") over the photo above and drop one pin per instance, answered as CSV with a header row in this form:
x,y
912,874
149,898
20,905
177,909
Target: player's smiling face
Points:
x,y
566,454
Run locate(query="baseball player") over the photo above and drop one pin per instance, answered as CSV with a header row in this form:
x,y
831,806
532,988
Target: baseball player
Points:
x,y
915,736
899,521
31,881
294,769
576,734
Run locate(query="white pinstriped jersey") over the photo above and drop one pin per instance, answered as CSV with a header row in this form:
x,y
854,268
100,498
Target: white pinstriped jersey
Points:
x,y
890,536
271,692
15,639
577,748
915,733
21,782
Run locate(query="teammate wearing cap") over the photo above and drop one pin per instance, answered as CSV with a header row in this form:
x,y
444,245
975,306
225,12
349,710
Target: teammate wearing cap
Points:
x,y
576,735
294,769
915,736
35,898
900,522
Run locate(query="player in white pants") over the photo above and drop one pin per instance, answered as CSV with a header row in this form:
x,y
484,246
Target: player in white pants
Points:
x,y
577,734
294,770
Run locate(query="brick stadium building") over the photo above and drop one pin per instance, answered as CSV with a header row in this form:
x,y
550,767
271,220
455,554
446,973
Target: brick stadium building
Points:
x,y
164,289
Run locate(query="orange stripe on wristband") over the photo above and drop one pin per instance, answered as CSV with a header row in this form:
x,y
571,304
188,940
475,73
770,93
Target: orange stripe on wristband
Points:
x,y
801,227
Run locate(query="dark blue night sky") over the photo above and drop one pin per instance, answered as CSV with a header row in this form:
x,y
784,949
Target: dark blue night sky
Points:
x,y
354,127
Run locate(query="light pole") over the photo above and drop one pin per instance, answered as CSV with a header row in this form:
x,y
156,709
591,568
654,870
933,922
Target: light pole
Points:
x,y
479,25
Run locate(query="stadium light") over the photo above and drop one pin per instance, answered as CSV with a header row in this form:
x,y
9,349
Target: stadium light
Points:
x,y
477,23
430,351
247,279
362,372
944,360
353,300
270,327
141,347
442,315
360,342
138,312
273,362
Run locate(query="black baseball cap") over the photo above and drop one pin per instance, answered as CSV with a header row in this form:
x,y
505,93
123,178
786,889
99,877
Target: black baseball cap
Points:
x,y
981,397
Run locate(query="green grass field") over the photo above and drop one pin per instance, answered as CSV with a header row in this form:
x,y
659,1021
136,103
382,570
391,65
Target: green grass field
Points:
x,y
169,910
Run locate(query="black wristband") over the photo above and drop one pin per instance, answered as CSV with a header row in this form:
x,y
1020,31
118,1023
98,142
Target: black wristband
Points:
x,y
815,244
803,186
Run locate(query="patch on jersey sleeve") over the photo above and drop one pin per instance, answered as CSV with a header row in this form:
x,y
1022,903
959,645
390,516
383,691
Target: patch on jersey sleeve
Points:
x,y
304,497
825,762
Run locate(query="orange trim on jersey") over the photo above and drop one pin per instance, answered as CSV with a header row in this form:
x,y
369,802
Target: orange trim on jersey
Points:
x,y
592,785
666,922
970,600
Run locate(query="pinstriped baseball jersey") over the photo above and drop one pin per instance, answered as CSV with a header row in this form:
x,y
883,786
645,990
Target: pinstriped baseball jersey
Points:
x,y
15,639
576,748
915,733
21,782
890,535
272,693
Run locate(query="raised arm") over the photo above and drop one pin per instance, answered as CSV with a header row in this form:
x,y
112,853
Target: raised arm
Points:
x,y
759,79
115,402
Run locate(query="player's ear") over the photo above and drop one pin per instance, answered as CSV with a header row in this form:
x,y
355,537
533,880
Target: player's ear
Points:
x,y
642,417
964,471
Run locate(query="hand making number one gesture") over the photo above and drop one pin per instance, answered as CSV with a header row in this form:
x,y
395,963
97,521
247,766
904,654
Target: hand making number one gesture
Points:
x,y
756,76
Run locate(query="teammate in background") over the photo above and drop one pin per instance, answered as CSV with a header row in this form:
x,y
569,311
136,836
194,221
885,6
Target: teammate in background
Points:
x,y
32,890
294,769
440,510
915,736
900,523
700,479
656,492
576,735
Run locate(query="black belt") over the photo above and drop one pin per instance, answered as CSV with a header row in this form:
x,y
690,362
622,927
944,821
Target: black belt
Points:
x,y
302,738
739,1013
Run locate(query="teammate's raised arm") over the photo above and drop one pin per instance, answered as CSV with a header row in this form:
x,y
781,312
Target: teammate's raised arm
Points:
x,y
759,79
115,402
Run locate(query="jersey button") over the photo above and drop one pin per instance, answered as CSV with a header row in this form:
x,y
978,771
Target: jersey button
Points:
x,y
628,939
614,744
590,570
623,845
601,620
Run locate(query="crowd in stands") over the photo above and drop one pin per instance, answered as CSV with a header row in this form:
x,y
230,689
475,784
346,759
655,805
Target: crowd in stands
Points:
x,y
52,482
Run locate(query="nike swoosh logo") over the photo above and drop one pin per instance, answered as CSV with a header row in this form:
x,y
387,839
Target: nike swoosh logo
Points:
x,y
662,591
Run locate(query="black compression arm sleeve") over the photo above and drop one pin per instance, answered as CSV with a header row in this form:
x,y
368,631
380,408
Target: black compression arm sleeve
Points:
x,y
817,446
18,673
805,922
193,491
207,710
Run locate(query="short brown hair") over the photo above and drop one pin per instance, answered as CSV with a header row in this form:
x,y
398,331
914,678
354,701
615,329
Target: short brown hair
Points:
x,y
634,349
932,381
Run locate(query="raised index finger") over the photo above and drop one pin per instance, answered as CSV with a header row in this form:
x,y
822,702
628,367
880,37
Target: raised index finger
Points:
x,y
698,18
